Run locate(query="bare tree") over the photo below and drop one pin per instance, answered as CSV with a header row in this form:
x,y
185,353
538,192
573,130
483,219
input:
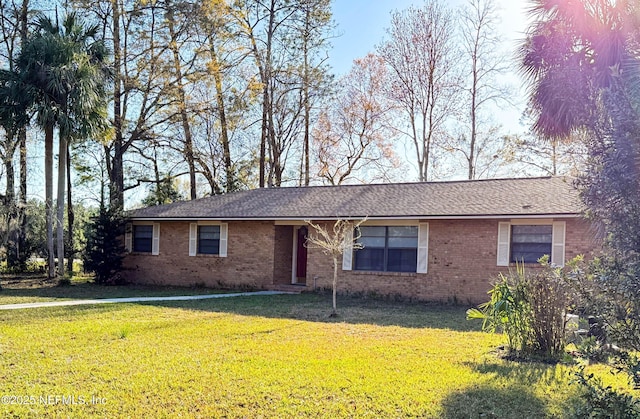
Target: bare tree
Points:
x,y
532,156
422,56
353,135
335,242
483,65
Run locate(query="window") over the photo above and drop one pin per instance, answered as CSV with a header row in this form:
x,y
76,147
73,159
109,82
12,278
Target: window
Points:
x,y
391,249
142,238
530,242
209,239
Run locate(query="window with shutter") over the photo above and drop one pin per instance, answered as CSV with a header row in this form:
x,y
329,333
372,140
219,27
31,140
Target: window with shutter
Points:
x,y
387,249
207,238
519,242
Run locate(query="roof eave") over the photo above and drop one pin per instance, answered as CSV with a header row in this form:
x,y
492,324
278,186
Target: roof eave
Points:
x,y
359,217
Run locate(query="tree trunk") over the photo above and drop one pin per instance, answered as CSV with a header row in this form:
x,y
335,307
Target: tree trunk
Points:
x,y
70,216
116,174
182,103
62,178
222,114
306,100
22,135
9,202
335,285
48,180
22,206
474,109
265,70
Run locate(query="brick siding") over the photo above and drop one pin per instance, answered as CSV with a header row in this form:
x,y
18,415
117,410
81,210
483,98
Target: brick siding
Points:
x,y
249,261
462,261
462,264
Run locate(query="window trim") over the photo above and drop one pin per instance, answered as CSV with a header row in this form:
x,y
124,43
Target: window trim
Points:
x,y
422,247
193,238
547,232
199,239
558,239
155,237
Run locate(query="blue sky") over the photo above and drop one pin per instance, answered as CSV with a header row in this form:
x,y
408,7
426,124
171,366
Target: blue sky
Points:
x,y
362,25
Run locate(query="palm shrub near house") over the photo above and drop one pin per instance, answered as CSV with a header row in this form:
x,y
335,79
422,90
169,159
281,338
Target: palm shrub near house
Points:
x,y
507,309
105,250
530,308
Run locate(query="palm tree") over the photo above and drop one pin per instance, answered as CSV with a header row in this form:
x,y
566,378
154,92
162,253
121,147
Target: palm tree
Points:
x,y
574,51
582,58
63,69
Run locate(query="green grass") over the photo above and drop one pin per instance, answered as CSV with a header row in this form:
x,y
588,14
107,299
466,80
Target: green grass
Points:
x,y
269,356
36,289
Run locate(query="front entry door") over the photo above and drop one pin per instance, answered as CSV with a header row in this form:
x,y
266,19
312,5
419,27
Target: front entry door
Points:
x,y
301,255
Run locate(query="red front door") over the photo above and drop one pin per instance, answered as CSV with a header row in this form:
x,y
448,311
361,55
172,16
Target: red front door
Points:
x,y
301,255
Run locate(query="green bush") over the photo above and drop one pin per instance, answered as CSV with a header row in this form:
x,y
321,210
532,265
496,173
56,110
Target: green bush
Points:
x,y
604,402
591,349
507,310
530,308
105,249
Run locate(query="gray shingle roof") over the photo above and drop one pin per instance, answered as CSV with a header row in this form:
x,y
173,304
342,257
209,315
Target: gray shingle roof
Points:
x,y
481,198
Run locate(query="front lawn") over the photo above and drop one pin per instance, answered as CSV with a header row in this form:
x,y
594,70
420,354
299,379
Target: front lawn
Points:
x,y
269,356
36,289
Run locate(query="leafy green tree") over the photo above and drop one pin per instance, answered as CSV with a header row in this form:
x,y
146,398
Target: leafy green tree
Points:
x,y
583,62
104,250
163,192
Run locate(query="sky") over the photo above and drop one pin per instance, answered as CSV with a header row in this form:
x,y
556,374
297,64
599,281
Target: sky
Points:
x,y
362,24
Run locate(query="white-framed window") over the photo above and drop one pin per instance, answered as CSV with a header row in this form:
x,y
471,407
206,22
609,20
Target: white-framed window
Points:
x,y
208,238
141,237
526,241
389,248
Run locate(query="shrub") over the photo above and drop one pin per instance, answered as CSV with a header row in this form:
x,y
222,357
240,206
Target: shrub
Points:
x,y
530,308
507,310
105,249
589,348
604,402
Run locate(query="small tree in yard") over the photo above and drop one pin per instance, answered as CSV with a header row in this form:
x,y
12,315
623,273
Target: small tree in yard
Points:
x,y
105,251
335,243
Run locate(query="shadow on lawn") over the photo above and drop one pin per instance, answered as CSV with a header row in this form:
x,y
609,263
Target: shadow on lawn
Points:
x,y
486,401
523,372
306,306
317,308
489,400
44,288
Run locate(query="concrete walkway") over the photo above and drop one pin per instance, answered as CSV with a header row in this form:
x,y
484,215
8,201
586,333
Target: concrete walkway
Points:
x,y
134,300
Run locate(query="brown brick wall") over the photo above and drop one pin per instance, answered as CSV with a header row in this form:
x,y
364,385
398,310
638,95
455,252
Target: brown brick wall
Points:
x,y
462,261
249,261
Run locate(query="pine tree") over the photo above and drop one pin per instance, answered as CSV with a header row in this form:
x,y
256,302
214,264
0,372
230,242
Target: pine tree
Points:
x,y
105,250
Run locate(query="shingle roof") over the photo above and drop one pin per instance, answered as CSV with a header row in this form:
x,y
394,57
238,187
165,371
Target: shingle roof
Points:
x,y
480,198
